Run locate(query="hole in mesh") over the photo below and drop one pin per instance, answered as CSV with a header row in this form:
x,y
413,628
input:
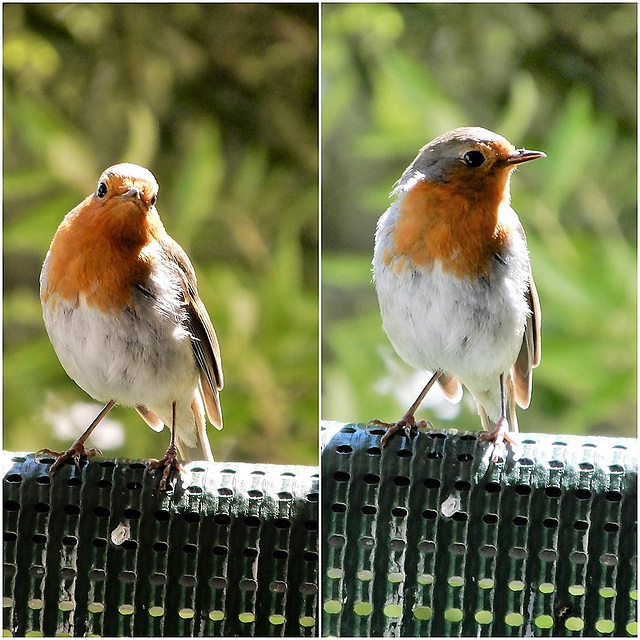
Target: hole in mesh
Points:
x,y
522,489
550,523
105,484
525,462
462,485
311,525
377,431
132,514
366,542
311,556
347,430
248,585
518,553
397,544
191,517
465,457
252,521
488,551
492,487
580,525
556,464
38,507
97,575
222,519
371,478
10,536
437,436
578,557
13,478
520,521
611,527
399,512
69,541
284,523
162,515
336,540
613,496
468,437
405,453
255,493
548,555
553,492
339,507
231,471
225,491
193,490
586,466
285,495
43,480
583,494
401,481
369,510
608,559
137,465
434,455
278,586
308,588
280,554
39,538
258,472
616,468
74,482
218,582
101,512
127,577
130,545
250,552
67,573
107,464
427,546
341,476
432,483
374,451
36,571
429,514
460,516
490,518
219,550
99,543
344,448
190,548
457,548
160,546
9,570
188,580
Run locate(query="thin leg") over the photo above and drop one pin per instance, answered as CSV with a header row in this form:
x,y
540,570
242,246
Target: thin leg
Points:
x,y
408,420
170,460
501,431
77,449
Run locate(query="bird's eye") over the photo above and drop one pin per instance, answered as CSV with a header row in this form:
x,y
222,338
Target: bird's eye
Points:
x,y
102,190
473,158
154,200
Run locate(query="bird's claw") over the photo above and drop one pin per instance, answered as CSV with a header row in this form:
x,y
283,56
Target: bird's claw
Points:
x,y
406,424
498,437
76,452
169,462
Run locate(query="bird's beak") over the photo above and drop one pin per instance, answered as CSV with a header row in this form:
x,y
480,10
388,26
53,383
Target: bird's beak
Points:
x,y
524,155
134,192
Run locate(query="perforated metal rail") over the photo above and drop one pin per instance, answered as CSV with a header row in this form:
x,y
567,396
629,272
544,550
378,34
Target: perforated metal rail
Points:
x,y
231,551
429,539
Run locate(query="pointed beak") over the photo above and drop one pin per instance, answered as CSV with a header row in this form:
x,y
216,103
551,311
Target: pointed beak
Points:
x,y
134,192
524,155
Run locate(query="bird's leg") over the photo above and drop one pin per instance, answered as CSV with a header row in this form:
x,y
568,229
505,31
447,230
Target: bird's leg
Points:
x,y
501,432
77,449
170,460
408,420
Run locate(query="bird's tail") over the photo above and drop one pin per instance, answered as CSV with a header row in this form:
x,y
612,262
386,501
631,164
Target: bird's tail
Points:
x,y
198,447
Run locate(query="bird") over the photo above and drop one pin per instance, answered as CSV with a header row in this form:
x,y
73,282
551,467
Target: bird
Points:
x,y
121,307
452,273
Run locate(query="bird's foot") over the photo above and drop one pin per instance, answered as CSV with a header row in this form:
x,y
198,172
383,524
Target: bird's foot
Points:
x,y
406,424
169,462
499,436
75,452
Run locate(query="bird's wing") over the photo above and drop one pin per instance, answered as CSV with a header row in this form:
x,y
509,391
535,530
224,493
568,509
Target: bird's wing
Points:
x,y
203,336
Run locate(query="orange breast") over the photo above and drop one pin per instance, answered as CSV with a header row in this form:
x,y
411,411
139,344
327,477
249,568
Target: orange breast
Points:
x,y
459,228
96,252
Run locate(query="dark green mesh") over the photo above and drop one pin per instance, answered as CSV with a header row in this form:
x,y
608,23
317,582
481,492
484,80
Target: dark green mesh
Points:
x,y
100,552
428,539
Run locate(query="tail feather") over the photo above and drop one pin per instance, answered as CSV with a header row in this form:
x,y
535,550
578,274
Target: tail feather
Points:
x,y
199,448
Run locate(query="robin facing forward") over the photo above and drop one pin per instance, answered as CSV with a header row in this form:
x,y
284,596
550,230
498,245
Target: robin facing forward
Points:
x,y
453,277
122,311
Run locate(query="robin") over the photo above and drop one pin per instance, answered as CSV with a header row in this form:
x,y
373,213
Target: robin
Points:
x,y
453,278
122,310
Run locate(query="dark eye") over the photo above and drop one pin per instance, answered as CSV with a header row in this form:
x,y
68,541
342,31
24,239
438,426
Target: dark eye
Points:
x,y
154,200
102,190
473,158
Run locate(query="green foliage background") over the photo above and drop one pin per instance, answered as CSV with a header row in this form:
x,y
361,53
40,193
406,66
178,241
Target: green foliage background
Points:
x,y
220,102
556,77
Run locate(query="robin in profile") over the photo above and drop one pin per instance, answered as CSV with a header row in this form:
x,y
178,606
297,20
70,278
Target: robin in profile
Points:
x,y
122,310
453,278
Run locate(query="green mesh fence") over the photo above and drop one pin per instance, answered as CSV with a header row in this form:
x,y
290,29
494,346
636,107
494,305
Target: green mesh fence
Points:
x,y
429,539
100,552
